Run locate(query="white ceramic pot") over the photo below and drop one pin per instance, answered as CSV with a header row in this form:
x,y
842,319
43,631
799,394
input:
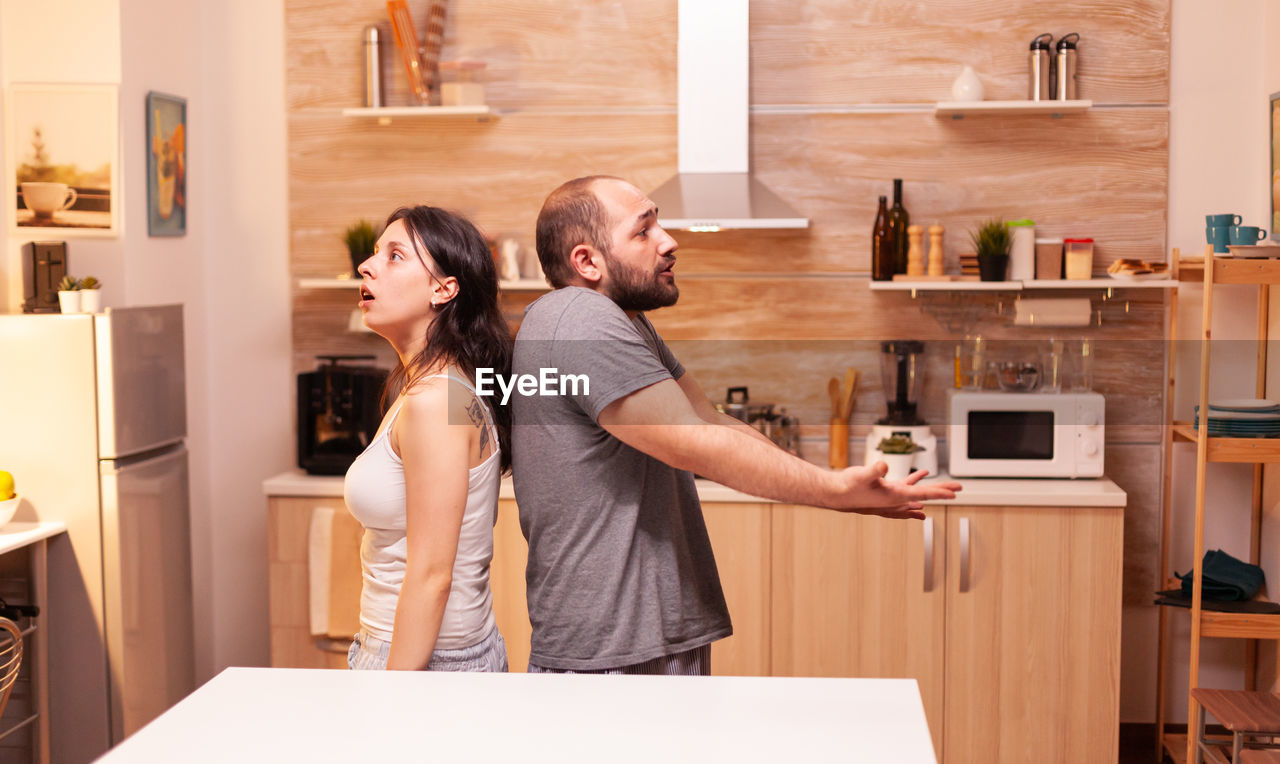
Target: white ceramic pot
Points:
x,y
899,465
69,301
90,300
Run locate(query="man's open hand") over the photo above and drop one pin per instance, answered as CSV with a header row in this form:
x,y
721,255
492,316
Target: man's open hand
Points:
x,y
865,491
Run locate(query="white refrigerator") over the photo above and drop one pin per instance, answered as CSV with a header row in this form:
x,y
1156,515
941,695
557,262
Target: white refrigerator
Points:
x,y
93,427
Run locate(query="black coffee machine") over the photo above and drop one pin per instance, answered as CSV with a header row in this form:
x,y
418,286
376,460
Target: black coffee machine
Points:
x,y
338,412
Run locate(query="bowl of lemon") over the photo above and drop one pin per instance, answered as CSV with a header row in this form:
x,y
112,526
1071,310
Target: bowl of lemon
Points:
x,y
8,498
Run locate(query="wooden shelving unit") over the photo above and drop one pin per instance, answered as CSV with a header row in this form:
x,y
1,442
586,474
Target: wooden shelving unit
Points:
x,y
1212,270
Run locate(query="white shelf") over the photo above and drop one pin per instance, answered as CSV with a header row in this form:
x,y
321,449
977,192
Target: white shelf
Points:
x,y
945,286
335,283
384,114
1103,282
958,109
1017,286
519,285
524,285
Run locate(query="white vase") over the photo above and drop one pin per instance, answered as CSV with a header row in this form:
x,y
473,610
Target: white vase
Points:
x,y
69,301
90,300
967,87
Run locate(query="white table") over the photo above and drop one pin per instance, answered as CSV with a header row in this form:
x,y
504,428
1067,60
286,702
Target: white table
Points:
x,y
317,715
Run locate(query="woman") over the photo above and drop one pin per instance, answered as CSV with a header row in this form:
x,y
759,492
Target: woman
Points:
x,y
426,488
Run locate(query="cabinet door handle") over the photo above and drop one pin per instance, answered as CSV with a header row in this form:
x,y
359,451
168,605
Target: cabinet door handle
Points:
x,y
964,554
928,554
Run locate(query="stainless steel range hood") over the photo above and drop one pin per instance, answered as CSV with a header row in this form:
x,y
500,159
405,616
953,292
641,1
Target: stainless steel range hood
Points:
x,y
714,189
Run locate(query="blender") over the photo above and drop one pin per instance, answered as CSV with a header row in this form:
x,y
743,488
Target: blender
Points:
x,y
902,375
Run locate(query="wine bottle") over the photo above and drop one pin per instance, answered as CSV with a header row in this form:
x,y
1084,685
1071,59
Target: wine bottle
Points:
x,y
898,222
882,247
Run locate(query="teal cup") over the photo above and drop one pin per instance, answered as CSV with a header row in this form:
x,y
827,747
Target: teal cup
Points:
x,y
1246,234
1228,220
1218,236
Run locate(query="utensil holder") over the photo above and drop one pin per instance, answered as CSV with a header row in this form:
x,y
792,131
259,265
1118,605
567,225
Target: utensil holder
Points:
x,y
838,449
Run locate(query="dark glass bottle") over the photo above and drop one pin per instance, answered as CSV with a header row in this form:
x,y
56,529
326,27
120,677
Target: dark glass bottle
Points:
x,y
898,222
883,254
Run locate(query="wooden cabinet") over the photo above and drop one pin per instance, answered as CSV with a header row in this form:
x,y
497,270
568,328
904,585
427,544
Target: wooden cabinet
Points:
x,y
1015,641
288,573
740,538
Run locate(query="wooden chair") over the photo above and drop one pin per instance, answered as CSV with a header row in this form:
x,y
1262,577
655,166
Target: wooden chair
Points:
x,y
1248,716
10,658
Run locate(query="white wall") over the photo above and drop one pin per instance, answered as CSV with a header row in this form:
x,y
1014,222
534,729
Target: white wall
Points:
x,y
230,270
1218,162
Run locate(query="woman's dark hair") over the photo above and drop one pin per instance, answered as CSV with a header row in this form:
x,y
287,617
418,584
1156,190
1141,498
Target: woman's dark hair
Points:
x,y
469,331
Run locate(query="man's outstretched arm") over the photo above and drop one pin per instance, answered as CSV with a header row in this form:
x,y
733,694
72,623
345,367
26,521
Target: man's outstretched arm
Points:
x,y
660,421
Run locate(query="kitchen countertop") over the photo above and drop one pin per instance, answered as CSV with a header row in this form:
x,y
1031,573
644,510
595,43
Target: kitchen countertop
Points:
x,y
999,492
319,715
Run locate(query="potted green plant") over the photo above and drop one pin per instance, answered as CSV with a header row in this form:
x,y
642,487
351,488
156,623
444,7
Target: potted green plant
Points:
x,y
90,297
69,295
899,454
360,238
991,241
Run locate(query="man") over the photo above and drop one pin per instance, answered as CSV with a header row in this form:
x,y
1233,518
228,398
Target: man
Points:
x,y
621,577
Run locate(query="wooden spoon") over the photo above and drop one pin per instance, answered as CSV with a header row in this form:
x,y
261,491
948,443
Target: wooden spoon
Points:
x,y
850,393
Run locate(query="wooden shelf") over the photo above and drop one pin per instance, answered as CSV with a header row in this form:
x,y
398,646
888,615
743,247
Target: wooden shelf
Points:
x,y
384,114
959,109
1214,623
1176,746
1234,270
1232,450
1103,282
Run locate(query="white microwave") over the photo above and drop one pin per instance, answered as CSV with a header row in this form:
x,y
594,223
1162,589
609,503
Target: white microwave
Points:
x,y
996,434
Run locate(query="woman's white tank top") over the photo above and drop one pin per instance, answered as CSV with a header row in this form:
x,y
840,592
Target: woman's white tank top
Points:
x,y
375,495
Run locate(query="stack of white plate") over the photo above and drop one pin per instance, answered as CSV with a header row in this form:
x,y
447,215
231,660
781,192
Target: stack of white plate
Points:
x,y
1243,418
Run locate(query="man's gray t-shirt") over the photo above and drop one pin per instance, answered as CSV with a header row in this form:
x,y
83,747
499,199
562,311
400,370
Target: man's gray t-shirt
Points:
x,y
620,566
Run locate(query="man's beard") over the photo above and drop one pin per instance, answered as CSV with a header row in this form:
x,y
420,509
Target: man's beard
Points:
x,y
634,289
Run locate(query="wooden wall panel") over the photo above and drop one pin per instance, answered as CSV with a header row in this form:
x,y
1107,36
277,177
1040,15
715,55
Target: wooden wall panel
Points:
x,y
591,53
895,51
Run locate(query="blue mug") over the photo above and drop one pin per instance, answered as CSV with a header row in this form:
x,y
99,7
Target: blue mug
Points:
x,y
1246,234
1228,220
1218,236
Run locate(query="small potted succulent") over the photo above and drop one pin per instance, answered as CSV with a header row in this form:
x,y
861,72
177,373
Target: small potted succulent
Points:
x,y
360,238
899,454
90,296
991,241
69,295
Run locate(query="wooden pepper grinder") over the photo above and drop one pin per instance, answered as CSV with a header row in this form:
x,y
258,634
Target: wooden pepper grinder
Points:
x,y
915,254
935,249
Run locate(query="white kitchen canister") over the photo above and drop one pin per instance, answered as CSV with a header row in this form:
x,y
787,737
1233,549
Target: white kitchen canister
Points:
x,y
1022,250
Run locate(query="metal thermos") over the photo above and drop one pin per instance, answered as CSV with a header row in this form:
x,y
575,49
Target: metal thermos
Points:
x,y
373,66
1038,86
1065,78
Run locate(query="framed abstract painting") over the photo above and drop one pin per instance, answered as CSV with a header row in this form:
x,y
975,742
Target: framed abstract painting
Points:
x,y
166,165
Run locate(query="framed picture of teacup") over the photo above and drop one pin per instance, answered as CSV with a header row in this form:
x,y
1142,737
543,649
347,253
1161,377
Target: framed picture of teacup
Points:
x,y
166,165
62,152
